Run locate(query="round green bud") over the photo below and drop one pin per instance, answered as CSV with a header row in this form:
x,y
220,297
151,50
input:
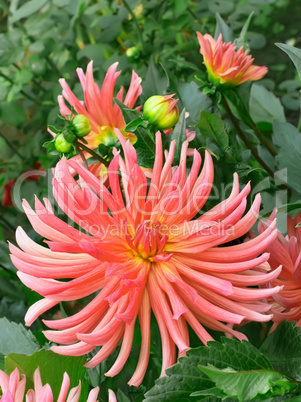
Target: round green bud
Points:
x,y
81,125
132,52
61,144
161,111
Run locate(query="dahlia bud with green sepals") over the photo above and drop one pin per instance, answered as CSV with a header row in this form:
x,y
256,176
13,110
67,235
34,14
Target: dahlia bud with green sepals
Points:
x,y
81,125
61,144
161,111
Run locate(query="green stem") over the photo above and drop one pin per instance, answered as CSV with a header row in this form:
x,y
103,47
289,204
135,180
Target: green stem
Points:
x,y
84,160
7,78
52,65
245,140
135,21
260,135
96,156
12,147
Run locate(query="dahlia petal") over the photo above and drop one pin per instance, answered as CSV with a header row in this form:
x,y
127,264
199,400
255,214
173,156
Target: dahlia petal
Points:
x,y
112,396
157,297
93,394
134,91
124,351
74,394
37,309
108,348
64,388
144,319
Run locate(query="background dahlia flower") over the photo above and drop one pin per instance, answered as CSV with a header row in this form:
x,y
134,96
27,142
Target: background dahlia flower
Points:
x,y
13,389
286,251
142,252
225,64
98,105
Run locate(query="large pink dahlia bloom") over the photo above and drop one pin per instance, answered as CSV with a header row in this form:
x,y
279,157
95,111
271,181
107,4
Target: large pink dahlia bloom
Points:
x,y
98,105
286,251
143,252
225,64
13,389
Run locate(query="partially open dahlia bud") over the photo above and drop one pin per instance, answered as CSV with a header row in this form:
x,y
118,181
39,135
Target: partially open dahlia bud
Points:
x,y
161,111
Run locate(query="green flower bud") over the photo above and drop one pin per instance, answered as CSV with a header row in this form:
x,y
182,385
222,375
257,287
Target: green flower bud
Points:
x,y
132,52
81,125
161,111
61,144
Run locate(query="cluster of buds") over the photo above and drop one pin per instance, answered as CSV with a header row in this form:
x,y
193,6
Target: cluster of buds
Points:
x,y
78,127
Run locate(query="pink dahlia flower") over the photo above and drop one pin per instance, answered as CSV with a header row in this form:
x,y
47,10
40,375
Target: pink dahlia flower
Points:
x,y
142,252
13,389
286,251
225,64
98,105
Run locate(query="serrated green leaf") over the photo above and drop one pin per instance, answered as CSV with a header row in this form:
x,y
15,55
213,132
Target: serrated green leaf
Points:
x,y
293,53
14,338
283,348
52,367
184,378
246,385
212,126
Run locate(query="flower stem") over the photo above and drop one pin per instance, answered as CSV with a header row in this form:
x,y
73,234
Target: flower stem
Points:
x,y
84,160
96,156
135,21
12,147
259,134
245,139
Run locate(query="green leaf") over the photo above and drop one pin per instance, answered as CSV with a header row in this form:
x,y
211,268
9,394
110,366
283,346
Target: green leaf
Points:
x,y
11,47
246,385
27,9
12,113
264,106
283,348
145,145
223,28
179,135
184,378
288,140
212,126
154,83
134,124
13,311
221,6
241,40
14,338
52,367
193,99
293,53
